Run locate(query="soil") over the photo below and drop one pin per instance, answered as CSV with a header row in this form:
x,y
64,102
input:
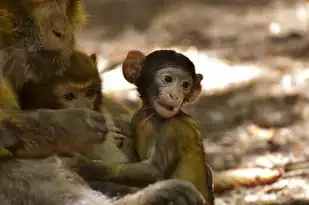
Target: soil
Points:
x,y
260,123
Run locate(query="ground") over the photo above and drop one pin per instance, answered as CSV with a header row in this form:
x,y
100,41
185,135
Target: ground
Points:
x,y
254,108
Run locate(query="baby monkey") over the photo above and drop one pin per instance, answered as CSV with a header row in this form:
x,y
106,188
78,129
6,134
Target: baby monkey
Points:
x,y
78,87
166,80
166,139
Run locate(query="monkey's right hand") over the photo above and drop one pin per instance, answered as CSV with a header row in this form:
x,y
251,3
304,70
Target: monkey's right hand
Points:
x,y
69,128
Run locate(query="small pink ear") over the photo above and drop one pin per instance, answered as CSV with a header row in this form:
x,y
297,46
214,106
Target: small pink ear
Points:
x,y
94,58
132,64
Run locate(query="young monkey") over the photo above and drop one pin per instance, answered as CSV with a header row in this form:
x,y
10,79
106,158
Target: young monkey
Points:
x,y
166,139
78,87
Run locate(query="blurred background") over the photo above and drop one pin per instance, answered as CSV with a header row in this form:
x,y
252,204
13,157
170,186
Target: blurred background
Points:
x,y
254,57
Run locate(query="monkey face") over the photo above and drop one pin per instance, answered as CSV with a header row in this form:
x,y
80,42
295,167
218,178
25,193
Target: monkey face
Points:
x,y
51,28
76,96
173,85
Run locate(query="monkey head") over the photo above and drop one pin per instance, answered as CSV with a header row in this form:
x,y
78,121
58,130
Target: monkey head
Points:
x,y
50,23
81,88
165,79
78,87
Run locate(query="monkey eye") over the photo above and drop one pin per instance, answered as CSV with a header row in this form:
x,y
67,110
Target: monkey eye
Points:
x,y
185,85
168,79
69,96
90,93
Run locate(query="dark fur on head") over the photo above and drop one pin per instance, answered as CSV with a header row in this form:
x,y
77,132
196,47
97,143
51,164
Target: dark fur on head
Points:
x,y
156,61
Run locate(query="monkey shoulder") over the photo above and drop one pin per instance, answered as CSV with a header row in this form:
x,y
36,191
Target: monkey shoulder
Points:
x,y
184,124
186,130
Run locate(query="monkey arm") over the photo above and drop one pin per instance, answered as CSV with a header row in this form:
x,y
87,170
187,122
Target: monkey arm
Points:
x,y
163,157
44,132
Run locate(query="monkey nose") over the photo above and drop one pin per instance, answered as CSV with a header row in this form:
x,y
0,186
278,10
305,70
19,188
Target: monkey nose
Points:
x,y
173,96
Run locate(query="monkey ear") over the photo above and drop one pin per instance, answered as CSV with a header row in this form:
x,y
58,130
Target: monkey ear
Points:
x,y
94,58
197,88
199,78
131,66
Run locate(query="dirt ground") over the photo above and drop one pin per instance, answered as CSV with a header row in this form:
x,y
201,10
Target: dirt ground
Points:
x,y
261,124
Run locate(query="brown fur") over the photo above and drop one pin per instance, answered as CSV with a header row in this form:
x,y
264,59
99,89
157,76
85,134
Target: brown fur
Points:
x,y
42,34
17,42
81,74
50,181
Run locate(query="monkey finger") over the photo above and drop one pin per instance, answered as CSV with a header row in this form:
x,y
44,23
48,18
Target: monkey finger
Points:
x,y
115,129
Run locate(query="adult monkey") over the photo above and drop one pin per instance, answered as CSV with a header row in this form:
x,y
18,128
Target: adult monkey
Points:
x,y
43,26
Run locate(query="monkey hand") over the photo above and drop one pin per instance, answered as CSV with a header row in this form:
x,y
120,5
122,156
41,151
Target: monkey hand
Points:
x,y
118,138
114,129
69,129
82,124
92,169
174,192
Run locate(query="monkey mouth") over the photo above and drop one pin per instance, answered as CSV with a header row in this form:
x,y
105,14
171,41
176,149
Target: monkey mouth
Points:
x,y
167,107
